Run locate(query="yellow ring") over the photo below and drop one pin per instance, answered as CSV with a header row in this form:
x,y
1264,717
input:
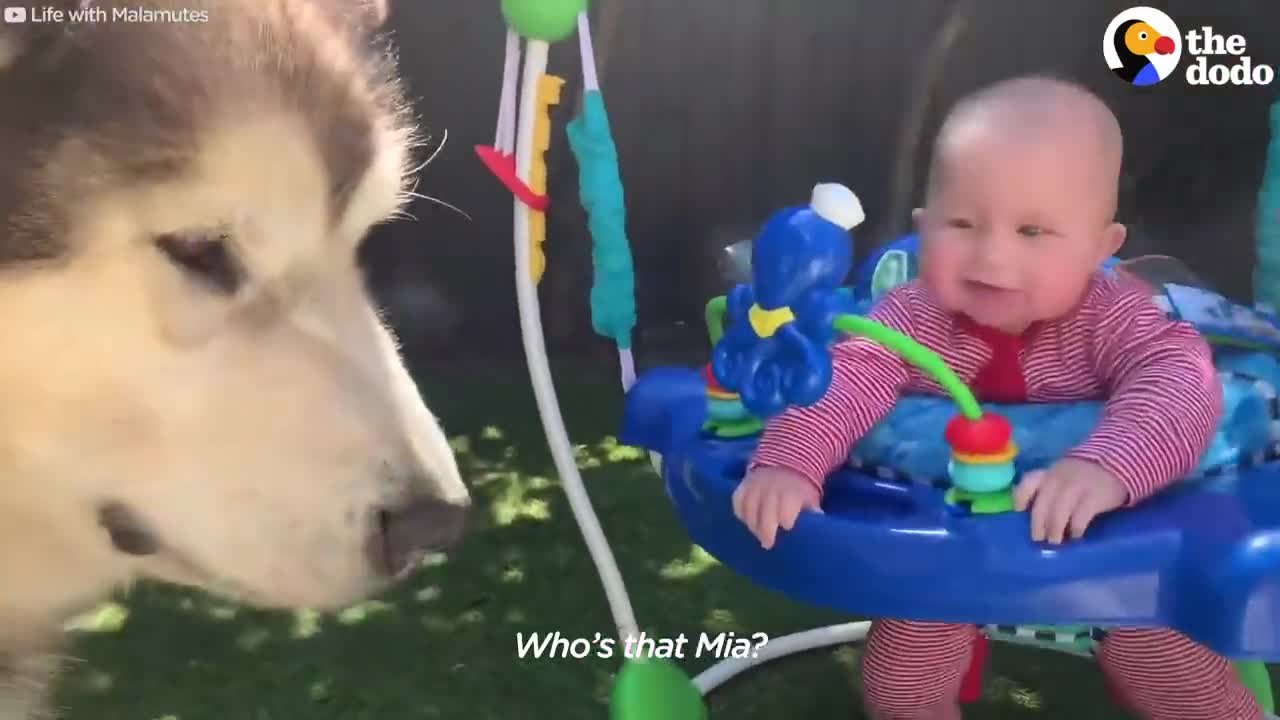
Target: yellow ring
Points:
x,y
1004,456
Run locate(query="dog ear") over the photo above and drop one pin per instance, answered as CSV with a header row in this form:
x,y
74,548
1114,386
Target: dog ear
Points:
x,y
359,17
20,34
15,40
373,13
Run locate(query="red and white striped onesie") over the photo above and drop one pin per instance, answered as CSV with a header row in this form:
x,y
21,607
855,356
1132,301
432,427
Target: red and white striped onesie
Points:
x,y
1164,403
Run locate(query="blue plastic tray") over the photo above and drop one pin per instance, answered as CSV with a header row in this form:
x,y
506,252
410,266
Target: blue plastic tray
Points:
x,y
1202,558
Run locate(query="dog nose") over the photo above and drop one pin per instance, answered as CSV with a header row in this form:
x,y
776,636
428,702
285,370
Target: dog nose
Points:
x,y
401,536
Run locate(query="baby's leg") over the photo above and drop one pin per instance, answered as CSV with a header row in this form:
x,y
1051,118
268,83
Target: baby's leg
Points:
x,y
1164,675
913,670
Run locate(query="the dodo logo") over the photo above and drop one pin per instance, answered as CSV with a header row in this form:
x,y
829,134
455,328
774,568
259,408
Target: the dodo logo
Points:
x,y
1142,45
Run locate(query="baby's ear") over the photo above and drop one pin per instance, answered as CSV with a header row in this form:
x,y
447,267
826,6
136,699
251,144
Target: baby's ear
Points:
x,y
1112,240
917,217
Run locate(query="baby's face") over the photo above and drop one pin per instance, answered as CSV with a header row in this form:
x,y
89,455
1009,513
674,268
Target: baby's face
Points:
x,y
1014,228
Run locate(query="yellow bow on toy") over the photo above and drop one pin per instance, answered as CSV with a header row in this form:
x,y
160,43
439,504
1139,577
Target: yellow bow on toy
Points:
x,y
767,322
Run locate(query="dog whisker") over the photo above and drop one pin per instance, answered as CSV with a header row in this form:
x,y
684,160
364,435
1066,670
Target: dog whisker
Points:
x,y
433,155
438,201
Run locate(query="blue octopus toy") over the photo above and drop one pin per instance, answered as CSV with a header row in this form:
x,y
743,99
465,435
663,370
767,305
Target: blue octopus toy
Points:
x,y
774,350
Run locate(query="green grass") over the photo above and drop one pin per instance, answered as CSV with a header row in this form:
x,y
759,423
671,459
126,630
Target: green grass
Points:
x,y
444,644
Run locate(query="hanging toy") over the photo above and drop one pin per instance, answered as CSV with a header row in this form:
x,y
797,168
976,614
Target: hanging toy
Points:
x,y
1266,273
518,159
541,22
647,688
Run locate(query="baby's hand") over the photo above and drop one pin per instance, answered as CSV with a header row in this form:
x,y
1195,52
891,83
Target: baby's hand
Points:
x,y
769,498
1071,492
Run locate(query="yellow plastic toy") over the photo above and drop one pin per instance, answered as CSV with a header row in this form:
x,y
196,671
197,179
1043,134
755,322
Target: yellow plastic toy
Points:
x,y
548,95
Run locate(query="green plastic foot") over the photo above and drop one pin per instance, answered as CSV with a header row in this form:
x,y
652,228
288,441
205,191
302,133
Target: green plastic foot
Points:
x,y
1254,676
655,689
1000,501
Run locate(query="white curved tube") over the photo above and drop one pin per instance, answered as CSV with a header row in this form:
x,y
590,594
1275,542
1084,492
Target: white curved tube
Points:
x,y
539,371
504,141
627,369
723,671
590,79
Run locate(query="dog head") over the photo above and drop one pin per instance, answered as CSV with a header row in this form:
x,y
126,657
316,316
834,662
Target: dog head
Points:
x,y
194,384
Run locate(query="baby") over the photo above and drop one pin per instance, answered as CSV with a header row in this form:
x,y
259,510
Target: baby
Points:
x,y
1018,218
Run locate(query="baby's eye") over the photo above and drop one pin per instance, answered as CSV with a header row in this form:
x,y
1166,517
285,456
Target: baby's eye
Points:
x,y
959,223
1030,231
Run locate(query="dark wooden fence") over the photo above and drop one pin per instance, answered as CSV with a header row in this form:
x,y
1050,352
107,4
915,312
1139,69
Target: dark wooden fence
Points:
x,y
726,110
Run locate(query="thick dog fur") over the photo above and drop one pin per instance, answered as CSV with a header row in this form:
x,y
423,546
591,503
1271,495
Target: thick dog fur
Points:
x,y
194,385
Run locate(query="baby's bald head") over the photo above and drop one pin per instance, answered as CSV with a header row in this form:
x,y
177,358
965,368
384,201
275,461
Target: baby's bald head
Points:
x,y
1022,201
1033,108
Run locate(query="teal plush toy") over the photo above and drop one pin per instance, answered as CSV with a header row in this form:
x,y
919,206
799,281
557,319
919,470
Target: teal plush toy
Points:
x,y
1266,274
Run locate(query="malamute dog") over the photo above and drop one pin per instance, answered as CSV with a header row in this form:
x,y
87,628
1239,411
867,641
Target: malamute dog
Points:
x,y
194,384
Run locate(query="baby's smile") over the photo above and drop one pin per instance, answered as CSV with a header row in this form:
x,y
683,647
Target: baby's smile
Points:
x,y
981,287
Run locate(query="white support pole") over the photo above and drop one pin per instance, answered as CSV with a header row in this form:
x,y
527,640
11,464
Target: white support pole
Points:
x,y
725,670
627,368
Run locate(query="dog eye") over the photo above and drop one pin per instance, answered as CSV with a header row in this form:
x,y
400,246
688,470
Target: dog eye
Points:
x,y
205,256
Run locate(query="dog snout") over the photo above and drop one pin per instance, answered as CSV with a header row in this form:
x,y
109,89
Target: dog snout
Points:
x,y
402,535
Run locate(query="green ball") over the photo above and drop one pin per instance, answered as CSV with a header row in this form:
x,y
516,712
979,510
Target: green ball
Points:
x,y
547,20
